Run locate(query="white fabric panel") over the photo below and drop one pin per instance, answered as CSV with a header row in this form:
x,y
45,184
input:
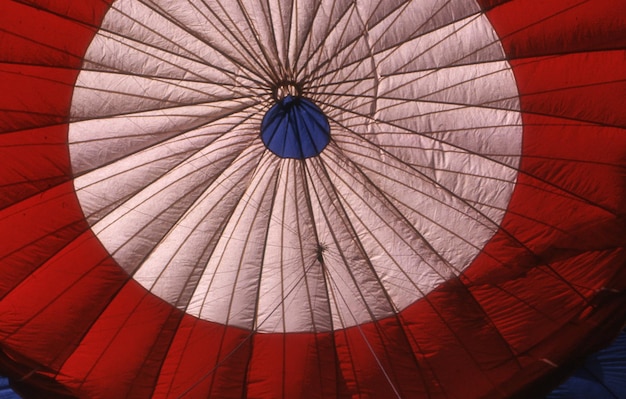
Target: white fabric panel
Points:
x,y
228,289
346,262
405,263
277,15
309,27
434,124
131,231
398,37
331,41
99,142
473,40
416,18
176,183
162,38
377,11
484,84
174,267
105,188
142,22
115,95
119,53
491,134
293,292
444,219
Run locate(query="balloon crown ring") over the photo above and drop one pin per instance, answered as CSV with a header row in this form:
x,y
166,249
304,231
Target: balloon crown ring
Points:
x,y
286,88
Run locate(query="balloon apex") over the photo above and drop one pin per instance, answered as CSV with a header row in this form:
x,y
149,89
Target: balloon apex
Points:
x,y
286,88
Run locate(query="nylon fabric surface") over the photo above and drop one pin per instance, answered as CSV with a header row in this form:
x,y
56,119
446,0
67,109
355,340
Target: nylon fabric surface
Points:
x,y
461,235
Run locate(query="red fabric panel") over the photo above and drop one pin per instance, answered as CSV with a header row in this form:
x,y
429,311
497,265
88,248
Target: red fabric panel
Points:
x,y
529,28
88,12
34,230
33,161
38,96
377,361
205,360
41,54
45,317
37,35
119,356
39,61
457,342
295,365
586,87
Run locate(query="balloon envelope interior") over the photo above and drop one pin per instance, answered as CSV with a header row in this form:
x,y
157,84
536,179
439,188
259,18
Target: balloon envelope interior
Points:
x,y
309,199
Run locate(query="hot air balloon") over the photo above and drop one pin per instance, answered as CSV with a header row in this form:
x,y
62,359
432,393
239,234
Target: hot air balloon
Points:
x,y
320,199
